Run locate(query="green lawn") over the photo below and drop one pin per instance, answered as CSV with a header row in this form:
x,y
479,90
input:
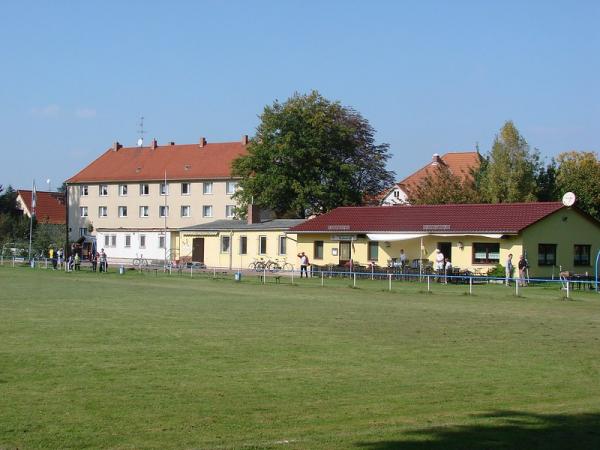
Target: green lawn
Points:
x,y
144,361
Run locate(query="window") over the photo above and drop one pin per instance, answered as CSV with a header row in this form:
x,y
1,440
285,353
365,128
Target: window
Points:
x,y
231,187
546,254
82,231
582,255
207,187
127,240
282,247
262,245
122,211
318,250
186,211
122,190
185,188
161,242
164,188
142,241
107,240
144,189
207,211
103,188
83,190
373,251
396,194
229,211
486,253
225,244
83,212
102,211
243,245
163,211
113,240
144,211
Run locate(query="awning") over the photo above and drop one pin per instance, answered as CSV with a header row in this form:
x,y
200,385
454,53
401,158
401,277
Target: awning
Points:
x,y
406,236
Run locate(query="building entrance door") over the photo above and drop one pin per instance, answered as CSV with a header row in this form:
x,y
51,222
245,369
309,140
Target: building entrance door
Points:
x,y
198,250
345,252
446,249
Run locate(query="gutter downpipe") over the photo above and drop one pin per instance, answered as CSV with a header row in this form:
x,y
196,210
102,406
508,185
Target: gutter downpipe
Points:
x,y
597,260
230,249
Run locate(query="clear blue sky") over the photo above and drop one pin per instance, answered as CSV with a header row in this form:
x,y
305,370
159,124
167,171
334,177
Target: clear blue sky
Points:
x,y
430,76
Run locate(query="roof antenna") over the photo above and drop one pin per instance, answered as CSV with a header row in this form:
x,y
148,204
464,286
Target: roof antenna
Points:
x,y
140,141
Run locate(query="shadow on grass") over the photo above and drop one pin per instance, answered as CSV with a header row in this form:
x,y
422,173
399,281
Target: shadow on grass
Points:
x,y
511,430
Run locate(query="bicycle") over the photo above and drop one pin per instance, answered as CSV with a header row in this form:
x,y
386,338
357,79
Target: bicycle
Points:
x,y
140,263
258,264
276,265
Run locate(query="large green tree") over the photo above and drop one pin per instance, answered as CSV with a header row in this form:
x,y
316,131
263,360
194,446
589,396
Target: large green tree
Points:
x,y
311,155
510,172
14,227
579,172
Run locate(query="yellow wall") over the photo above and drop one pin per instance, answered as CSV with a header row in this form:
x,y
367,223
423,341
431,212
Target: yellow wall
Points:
x,y
213,257
565,228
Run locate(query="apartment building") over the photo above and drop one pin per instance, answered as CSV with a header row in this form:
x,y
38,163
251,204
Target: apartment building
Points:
x,y
134,199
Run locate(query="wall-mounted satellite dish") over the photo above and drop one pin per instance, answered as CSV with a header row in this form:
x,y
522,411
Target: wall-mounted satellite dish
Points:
x,y
568,199
140,142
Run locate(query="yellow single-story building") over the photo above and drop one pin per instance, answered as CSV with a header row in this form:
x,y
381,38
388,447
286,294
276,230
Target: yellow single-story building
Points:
x,y
473,237
236,244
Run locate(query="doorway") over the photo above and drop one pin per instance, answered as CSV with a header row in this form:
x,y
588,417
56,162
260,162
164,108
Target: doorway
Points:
x,y
198,250
446,249
345,252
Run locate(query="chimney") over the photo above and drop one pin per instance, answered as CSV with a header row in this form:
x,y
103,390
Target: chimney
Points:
x,y
245,139
172,143
202,142
116,146
154,144
435,159
253,213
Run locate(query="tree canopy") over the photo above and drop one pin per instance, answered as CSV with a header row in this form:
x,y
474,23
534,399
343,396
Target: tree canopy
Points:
x,y
310,155
509,174
579,172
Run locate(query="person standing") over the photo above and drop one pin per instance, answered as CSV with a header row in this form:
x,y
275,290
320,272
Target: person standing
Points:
x,y
94,260
103,261
447,270
439,263
77,261
303,264
509,268
523,266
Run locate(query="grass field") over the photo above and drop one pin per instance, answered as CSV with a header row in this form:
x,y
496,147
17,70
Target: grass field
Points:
x,y
134,361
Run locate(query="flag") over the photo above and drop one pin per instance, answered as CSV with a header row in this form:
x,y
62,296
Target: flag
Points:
x,y
33,199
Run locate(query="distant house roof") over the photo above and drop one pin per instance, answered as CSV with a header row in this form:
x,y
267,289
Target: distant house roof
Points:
x,y
459,163
181,162
225,225
504,218
49,208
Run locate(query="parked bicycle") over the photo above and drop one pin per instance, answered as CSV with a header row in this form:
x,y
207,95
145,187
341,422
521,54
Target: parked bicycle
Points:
x,y
258,264
275,265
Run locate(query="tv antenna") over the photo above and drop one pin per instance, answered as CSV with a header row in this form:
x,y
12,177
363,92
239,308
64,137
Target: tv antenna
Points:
x,y
140,141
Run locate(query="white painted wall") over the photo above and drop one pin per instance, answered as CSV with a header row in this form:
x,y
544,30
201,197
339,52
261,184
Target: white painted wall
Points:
x,y
119,251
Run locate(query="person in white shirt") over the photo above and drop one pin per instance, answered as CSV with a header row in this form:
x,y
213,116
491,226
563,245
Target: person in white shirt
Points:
x,y
303,264
439,262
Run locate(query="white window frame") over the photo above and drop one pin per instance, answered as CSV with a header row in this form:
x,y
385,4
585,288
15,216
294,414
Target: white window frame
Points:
x,y
163,188
83,211
142,238
261,250
123,188
122,209
229,211
230,187
189,188
82,231
113,240
107,240
207,188
204,210
102,209
103,190
282,239
163,211
127,241
145,209
144,189
84,190
225,238
240,249
162,241
186,211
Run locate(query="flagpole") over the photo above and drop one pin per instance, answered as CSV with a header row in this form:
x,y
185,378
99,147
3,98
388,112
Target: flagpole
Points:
x,y
31,214
165,231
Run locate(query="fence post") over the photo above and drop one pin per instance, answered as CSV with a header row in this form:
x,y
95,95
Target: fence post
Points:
x,y
214,272
191,272
372,269
428,287
322,278
265,275
354,284
390,281
13,261
567,288
517,288
470,285
292,275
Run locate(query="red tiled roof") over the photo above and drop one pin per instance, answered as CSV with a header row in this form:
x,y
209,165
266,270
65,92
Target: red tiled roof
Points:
x,y
182,162
49,206
459,163
464,218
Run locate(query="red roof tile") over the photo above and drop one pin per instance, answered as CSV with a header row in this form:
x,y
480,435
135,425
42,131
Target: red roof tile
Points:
x,y
465,218
182,162
50,206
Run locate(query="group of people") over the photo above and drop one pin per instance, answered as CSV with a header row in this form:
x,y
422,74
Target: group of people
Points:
x,y
56,258
98,260
523,267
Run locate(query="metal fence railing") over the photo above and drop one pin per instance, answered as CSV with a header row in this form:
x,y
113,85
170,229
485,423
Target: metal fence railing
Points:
x,y
355,279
